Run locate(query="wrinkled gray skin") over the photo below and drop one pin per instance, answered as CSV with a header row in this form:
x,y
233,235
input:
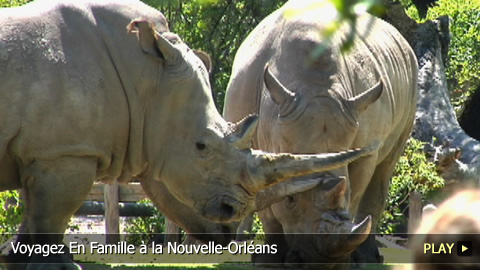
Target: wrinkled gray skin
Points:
x,y
324,104
83,100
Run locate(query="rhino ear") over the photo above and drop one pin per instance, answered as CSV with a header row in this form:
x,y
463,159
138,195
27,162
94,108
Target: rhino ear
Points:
x,y
279,93
244,131
153,43
335,193
207,61
361,102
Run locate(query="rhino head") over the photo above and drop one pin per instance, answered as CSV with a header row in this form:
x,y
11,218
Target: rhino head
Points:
x,y
317,226
297,123
203,161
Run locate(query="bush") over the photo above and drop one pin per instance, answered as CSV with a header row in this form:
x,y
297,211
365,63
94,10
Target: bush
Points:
x,y
11,213
143,229
413,172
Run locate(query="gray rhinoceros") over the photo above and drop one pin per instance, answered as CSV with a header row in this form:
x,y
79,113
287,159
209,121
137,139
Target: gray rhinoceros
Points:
x,y
82,100
329,102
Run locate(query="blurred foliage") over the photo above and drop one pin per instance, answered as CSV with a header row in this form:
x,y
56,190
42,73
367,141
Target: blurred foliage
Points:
x,y
463,63
143,229
257,229
12,3
413,172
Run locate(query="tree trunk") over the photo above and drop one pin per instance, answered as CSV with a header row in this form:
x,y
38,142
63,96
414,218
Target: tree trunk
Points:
x,y
456,154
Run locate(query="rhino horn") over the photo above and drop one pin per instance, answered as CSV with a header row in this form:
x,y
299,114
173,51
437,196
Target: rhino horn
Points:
x,y
267,169
358,235
244,130
361,102
279,93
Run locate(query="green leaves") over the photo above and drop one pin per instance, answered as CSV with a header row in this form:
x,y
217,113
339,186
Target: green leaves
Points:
x,y
413,172
11,213
12,3
206,2
142,229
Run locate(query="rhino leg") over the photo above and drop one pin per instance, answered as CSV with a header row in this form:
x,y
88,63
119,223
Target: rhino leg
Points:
x,y
360,172
53,191
373,203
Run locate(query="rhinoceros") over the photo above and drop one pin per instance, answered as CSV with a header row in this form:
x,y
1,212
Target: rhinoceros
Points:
x,y
311,97
82,100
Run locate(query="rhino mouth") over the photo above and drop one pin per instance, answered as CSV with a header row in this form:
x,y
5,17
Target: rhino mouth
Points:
x,y
223,208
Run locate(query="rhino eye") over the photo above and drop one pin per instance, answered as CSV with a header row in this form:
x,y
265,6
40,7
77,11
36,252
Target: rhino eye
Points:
x,y
200,146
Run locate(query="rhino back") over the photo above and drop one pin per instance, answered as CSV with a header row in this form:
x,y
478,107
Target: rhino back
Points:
x,y
381,53
61,88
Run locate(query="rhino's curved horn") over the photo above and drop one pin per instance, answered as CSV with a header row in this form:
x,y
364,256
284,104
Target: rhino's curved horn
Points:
x,y
279,93
358,235
266,169
361,102
244,131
